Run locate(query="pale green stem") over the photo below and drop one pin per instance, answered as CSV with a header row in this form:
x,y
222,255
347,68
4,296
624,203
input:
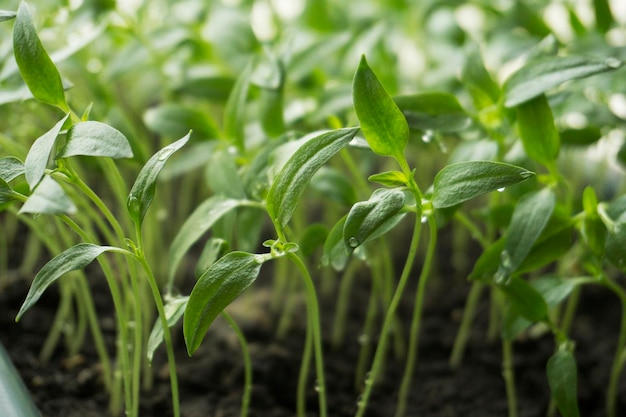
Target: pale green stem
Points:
x,y
303,375
417,318
466,323
381,349
247,362
343,302
509,376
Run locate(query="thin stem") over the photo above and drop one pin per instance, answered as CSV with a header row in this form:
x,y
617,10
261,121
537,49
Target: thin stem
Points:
x,y
509,376
381,349
314,323
466,323
417,318
247,362
343,302
304,373
616,368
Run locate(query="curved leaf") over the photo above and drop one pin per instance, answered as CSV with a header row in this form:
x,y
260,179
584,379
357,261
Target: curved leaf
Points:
x,y
433,111
10,168
76,257
539,76
95,139
39,154
530,217
220,285
366,217
36,67
174,310
526,300
293,178
142,193
6,15
48,198
382,122
539,136
335,253
462,181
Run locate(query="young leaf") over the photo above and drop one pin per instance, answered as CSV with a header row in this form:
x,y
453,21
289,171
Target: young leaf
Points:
x,y
37,69
222,176
462,181
563,380
174,310
48,198
39,154
540,75
220,285
213,249
198,223
6,192
95,139
530,217
382,122
142,193
334,185
335,253
537,130
525,299
487,264
76,257
10,168
390,179
616,242
604,16
484,91
6,15
581,137
366,217
292,180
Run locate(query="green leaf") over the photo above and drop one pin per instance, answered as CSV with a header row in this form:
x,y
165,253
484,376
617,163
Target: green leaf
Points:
x,y
48,198
235,109
39,154
541,75
6,15
462,181
615,247
580,137
335,253
604,16
487,263
525,299
37,69
549,247
382,122
197,224
76,257
530,217
174,309
142,193
484,91
293,178
440,112
555,290
213,249
312,238
6,192
563,380
537,130
95,139
220,285
175,120
366,217
389,179
222,176
10,168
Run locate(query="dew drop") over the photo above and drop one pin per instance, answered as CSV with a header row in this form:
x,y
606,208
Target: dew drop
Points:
x,y
428,136
501,189
368,378
317,386
613,62
353,242
424,219
363,339
360,402
165,153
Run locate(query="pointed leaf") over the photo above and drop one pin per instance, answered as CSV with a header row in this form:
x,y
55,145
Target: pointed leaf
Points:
x,y
142,193
37,69
197,224
433,112
95,139
484,91
530,217
174,309
76,257
292,180
220,285
235,110
563,380
539,136
462,181
39,154
389,179
382,122
540,75
48,198
604,16
366,217
10,168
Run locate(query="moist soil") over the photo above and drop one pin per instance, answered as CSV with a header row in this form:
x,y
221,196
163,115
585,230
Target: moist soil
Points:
x,y
211,381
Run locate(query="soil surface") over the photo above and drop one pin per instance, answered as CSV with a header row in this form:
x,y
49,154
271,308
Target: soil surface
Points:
x,y
211,381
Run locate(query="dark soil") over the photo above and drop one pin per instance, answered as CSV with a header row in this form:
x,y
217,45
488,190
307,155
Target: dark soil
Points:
x,y
211,381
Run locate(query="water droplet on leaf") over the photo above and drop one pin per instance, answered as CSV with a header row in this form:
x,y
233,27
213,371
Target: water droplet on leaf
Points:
x,y
501,189
353,242
613,62
428,136
424,219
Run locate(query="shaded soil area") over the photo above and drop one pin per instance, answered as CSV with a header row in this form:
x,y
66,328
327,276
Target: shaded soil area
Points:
x,y
211,382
